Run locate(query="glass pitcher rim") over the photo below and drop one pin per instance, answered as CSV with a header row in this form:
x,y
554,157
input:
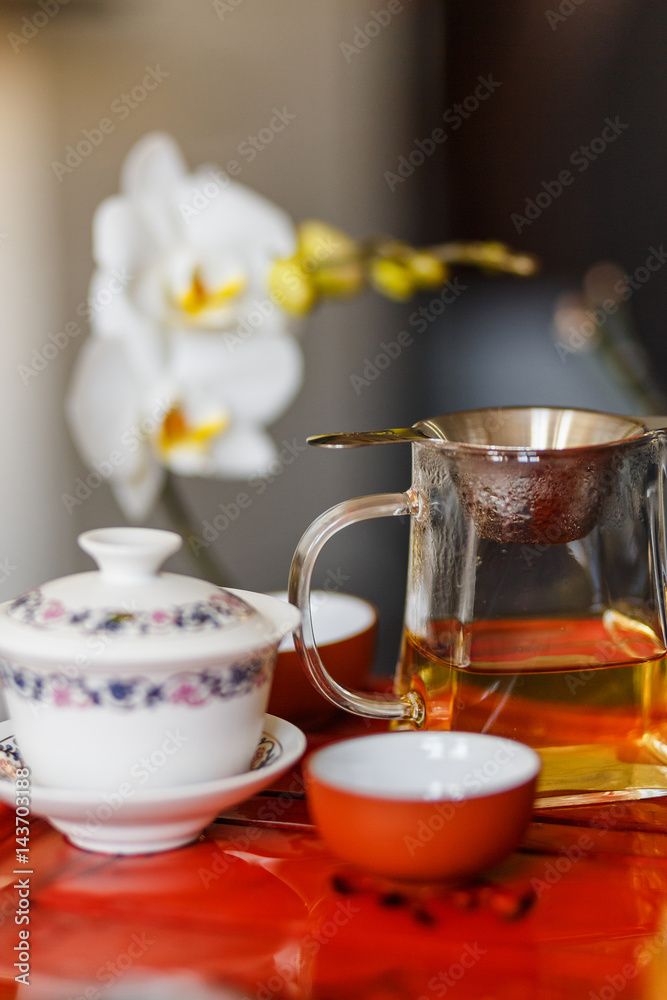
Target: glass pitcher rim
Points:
x,y
637,432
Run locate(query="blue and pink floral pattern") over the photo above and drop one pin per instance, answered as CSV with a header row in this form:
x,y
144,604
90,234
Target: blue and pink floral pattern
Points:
x,y
76,689
11,760
268,750
221,609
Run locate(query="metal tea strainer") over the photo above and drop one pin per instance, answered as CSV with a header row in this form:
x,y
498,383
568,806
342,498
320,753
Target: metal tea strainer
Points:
x,y
525,474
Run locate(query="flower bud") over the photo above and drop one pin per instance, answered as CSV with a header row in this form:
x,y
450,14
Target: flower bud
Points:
x,y
291,288
428,271
392,278
340,280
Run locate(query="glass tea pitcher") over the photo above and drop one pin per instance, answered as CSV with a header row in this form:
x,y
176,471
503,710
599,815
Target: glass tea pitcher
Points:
x,y
535,604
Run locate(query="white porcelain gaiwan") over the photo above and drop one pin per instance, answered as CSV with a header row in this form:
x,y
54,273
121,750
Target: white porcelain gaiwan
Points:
x,y
131,678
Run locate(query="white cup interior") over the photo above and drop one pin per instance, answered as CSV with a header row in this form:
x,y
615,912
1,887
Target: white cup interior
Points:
x,y
335,616
425,766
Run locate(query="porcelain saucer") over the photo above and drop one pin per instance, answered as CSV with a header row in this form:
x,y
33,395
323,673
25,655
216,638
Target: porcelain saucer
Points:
x,y
145,821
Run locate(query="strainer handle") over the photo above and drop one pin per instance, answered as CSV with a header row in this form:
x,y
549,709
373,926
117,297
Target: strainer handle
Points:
x,y
408,707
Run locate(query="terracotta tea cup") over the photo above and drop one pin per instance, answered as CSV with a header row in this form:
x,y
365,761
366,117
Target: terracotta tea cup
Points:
x,y
345,629
426,805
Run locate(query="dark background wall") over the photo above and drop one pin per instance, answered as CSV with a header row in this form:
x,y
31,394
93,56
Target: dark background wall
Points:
x,y
565,66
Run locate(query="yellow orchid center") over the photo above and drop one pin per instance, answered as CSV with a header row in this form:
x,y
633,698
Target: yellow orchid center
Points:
x,y
198,297
176,432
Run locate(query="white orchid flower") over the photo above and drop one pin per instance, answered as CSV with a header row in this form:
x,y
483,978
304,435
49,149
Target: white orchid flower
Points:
x,y
190,358
198,247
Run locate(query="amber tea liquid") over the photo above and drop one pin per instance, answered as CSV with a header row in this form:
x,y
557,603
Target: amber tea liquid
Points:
x,y
587,693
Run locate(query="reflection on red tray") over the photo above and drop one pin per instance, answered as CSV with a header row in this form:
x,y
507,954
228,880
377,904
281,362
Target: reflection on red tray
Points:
x,y
256,911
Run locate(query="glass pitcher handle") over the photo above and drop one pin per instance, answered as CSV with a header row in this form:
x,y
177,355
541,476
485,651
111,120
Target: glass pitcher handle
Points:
x,y
408,707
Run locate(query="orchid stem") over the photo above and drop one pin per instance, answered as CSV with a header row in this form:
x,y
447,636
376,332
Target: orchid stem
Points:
x,y
206,567
491,256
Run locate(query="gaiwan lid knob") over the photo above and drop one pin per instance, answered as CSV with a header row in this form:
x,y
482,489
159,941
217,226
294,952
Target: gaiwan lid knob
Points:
x,y
125,555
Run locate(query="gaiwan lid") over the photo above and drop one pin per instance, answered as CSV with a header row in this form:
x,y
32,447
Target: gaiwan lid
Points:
x,y
129,612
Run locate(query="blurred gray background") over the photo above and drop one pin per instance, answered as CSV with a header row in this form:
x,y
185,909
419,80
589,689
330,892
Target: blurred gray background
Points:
x,y
357,113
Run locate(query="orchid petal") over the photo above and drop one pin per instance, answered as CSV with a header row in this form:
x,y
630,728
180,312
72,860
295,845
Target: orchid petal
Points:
x,y
137,496
266,376
258,226
151,171
108,422
155,163
256,378
179,269
220,271
117,317
242,452
103,400
119,238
